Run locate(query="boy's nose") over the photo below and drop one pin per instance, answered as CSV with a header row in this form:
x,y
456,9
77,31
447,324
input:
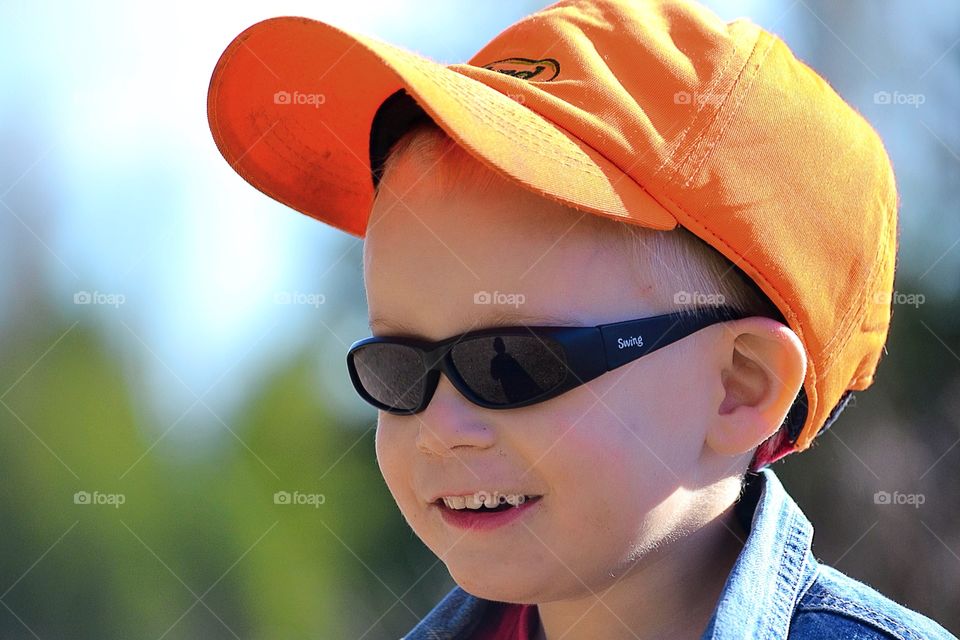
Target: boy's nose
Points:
x,y
451,422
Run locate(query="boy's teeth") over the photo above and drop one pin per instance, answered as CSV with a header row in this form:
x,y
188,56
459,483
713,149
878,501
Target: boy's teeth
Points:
x,y
485,499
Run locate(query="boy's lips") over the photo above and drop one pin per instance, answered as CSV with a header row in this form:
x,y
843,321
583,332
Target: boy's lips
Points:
x,y
486,519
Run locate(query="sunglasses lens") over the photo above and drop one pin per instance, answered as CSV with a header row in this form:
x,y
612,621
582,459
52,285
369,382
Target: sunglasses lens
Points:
x,y
391,374
503,370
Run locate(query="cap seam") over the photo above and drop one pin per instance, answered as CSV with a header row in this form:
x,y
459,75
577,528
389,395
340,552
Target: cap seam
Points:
x,y
553,123
683,135
848,330
707,147
760,59
564,130
489,117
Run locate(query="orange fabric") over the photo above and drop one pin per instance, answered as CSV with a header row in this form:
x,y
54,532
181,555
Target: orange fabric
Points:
x,y
651,111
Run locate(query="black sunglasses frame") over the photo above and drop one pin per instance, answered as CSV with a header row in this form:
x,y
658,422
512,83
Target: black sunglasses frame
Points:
x,y
589,352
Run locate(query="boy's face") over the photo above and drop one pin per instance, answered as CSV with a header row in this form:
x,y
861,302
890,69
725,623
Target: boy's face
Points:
x,y
618,461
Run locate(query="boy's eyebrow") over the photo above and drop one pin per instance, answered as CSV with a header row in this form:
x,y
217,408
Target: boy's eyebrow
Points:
x,y
505,318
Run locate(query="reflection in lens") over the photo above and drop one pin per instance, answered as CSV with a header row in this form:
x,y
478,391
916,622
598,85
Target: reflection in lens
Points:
x,y
392,374
508,369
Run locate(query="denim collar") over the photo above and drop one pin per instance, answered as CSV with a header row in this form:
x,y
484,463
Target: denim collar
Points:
x,y
773,571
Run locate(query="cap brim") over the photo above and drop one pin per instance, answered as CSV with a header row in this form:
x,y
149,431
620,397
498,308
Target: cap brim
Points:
x,y
292,101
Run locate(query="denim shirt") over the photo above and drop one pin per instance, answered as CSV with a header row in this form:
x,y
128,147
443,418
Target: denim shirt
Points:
x,y
776,589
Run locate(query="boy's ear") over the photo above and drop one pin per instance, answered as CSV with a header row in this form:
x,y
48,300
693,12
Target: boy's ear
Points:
x,y
761,364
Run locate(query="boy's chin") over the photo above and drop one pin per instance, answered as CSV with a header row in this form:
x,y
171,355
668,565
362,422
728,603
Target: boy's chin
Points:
x,y
498,593
505,582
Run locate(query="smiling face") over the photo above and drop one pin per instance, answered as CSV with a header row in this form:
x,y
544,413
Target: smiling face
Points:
x,y
620,462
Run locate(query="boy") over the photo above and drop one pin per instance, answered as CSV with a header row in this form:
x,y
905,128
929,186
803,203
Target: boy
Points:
x,y
576,411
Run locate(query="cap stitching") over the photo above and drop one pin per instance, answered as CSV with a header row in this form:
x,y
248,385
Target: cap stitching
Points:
x,y
761,58
847,332
438,74
870,280
507,126
716,81
617,165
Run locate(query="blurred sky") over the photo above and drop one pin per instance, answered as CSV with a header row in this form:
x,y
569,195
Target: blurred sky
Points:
x,y
110,181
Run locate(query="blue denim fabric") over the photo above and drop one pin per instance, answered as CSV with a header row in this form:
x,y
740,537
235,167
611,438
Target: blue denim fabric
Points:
x,y
776,590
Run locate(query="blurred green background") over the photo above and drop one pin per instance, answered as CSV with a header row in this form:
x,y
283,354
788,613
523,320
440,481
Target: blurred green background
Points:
x,y
172,342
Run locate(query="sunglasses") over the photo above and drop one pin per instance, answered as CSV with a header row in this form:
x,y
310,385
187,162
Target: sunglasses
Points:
x,y
510,367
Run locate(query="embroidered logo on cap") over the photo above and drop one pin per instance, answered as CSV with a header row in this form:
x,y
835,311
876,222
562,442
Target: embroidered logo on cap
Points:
x,y
526,68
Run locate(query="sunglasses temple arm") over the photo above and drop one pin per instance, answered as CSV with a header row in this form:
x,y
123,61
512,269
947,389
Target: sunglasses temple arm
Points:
x,y
626,341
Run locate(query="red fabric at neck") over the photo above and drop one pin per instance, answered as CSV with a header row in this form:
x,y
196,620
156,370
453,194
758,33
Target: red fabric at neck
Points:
x,y
507,621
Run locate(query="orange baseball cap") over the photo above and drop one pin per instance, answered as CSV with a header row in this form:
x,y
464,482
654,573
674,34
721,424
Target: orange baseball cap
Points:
x,y
654,112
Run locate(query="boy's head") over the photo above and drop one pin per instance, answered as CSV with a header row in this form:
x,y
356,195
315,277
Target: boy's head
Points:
x,y
623,463
663,272
598,161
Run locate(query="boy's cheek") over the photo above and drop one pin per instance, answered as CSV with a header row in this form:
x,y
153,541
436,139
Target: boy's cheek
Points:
x,y
390,461
586,462
605,472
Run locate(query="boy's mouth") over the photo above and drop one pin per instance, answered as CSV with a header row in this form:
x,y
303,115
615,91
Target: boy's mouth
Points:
x,y
485,502
493,512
